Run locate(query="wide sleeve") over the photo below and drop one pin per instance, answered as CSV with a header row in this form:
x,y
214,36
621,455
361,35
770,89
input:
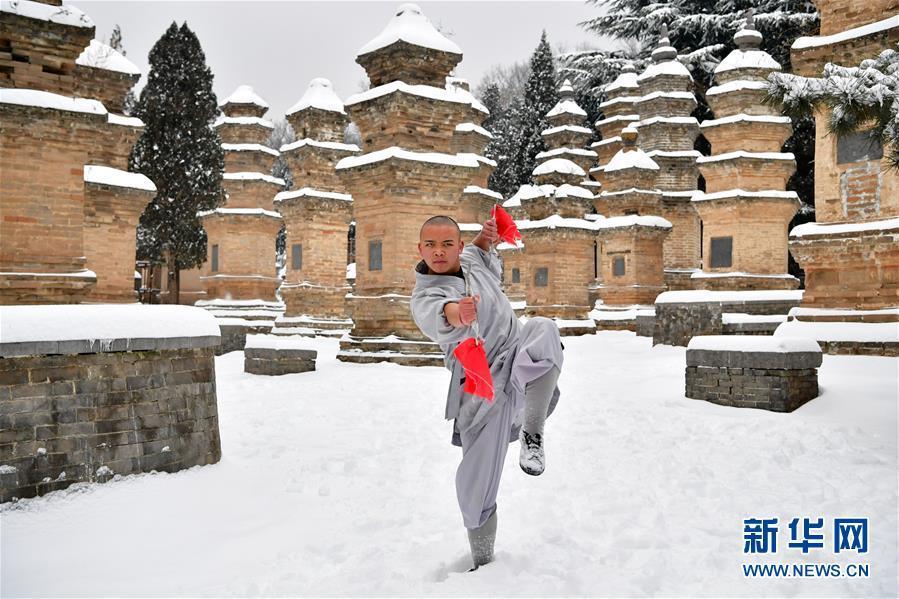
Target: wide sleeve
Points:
x,y
489,260
427,311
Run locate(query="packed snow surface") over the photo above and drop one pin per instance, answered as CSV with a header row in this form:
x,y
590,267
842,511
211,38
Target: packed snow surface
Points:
x,y
340,482
410,25
879,332
105,175
64,15
73,322
320,94
704,295
99,55
279,342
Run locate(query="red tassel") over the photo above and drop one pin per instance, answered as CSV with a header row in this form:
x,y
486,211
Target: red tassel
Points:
x,y
478,380
505,225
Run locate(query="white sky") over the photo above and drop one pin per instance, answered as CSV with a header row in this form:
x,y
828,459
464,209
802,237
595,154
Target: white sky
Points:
x,y
278,47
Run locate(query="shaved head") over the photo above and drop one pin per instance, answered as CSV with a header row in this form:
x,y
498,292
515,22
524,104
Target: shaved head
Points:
x,y
441,220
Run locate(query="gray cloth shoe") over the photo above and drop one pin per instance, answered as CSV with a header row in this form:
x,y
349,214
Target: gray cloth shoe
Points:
x,y
481,541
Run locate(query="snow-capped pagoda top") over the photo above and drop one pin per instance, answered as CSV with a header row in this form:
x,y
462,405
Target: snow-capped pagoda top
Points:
x,y
100,56
630,156
320,94
45,11
624,83
566,111
665,73
243,101
409,49
747,62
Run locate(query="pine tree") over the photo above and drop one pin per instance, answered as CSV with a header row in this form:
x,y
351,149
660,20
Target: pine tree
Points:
x,y
540,95
860,98
179,151
504,148
490,98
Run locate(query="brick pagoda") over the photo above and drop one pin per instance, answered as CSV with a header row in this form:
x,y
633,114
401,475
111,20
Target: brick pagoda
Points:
x,y
745,209
556,267
241,234
412,121
317,215
69,208
667,135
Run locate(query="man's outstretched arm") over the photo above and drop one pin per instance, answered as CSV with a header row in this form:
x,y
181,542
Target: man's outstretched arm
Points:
x,y
463,312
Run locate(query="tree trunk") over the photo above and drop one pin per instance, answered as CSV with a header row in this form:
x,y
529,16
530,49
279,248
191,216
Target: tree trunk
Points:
x,y
176,286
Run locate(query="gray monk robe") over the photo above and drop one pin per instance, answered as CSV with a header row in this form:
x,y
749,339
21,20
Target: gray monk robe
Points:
x,y
517,354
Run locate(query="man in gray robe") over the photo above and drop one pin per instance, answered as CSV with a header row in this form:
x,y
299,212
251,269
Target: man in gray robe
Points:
x,y
525,362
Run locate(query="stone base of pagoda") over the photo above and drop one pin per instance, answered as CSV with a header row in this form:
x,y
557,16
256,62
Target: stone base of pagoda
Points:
x,y
571,320
742,281
311,326
628,295
406,352
46,288
240,287
319,301
679,279
846,332
849,268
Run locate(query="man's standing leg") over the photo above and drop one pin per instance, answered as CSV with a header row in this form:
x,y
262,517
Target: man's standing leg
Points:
x,y
478,477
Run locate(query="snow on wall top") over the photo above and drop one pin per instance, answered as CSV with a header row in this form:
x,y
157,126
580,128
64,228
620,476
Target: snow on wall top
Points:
x,y
244,94
876,332
621,117
843,36
700,196
99,55
450,93
240,212
571,128
104,175
487,192
563,151
64,15
559,165
331,145
410,25
632,220
125,121
39,99
567,107
631,159
243,120
279,342
250,148
669,67
466,127
745,154
251,176
737,85
747,59
556,222
753,343
320,94
687,297
311,192
833,229
103,322
462,159
747,118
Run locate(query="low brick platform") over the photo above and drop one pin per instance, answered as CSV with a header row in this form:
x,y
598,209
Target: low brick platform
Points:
x,y
92,402
274,355
776,374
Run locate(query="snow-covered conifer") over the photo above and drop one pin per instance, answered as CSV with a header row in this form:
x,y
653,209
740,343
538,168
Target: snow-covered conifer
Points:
x,y
179,151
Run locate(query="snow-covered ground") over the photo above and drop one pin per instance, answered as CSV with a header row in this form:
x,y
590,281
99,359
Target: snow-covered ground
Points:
x,y
340,482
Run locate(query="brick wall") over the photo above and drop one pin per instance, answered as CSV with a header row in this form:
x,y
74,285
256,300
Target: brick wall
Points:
x,y
91,416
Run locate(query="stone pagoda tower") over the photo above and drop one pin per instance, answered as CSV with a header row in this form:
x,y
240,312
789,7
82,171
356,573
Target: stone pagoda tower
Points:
x,y
68,207
619,111
631,239
317,214
667,135
410,170
745,210
242,233
556,267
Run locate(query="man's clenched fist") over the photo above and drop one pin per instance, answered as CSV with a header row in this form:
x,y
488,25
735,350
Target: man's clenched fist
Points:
x,y
468,309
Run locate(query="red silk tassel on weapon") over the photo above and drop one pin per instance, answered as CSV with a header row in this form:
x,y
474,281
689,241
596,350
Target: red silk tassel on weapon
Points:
x,y
505,226
478,380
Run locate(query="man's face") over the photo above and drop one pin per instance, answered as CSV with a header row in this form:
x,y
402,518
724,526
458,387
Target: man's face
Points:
x,y
440,246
